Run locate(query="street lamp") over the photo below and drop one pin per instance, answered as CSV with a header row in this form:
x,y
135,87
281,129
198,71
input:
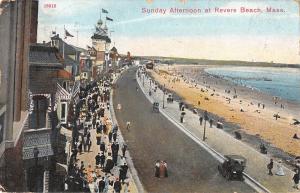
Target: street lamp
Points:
x,y
164,96
205,119
144,79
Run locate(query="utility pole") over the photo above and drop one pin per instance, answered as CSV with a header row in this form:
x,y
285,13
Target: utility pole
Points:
x,y
164,96
205,119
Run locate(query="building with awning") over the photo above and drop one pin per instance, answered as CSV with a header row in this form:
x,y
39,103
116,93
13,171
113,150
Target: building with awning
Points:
x,y
18,30
43,144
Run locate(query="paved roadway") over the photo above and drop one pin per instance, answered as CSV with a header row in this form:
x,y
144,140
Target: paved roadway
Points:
x,y
152,137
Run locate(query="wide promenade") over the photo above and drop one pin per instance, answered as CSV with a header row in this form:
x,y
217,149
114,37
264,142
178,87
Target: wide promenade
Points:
x,y
152,137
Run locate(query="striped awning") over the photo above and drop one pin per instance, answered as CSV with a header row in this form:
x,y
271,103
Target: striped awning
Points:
x,y
76,88
61,93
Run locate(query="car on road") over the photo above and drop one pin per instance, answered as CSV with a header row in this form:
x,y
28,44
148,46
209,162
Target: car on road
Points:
x,y
232,168
155,107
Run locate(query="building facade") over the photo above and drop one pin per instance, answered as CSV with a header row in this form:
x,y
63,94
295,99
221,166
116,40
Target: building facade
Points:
x,y
20,21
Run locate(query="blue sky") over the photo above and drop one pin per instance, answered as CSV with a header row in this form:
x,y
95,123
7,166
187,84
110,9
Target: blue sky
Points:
x,y
155,34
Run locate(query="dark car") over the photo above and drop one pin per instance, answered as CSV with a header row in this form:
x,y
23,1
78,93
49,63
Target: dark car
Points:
x,y
232,168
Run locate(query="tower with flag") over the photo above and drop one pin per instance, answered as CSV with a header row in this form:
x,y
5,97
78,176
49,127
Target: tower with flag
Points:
x,y
101,44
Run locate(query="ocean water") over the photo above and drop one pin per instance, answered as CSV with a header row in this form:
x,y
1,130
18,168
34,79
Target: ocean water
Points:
x,y
280,82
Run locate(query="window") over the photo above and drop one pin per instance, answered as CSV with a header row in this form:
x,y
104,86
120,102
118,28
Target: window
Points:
x,y
38,115
63,113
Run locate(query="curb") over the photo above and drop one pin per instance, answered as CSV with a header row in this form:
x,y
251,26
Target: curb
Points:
x,y
218,156
133,172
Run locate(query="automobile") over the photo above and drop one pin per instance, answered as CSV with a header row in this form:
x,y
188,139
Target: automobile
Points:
x,y
232,168
155,107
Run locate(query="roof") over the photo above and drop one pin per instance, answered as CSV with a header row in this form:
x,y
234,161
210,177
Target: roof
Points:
x,y
42,55
37,138
68,49
114,49
101,37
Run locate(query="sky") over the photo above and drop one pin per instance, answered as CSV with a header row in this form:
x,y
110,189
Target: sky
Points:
x,y
252,36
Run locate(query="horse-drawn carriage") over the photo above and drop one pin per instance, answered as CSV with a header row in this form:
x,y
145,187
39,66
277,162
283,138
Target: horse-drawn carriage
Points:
x,y
232,168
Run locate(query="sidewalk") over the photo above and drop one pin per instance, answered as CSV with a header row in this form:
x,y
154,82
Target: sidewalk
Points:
x,y
225,144
89,157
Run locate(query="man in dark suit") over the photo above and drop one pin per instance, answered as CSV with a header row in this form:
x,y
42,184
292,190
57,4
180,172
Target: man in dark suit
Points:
x,y
101,185
270,167
98,159
117,186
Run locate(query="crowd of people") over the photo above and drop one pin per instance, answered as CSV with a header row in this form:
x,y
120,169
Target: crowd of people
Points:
x,y
109,171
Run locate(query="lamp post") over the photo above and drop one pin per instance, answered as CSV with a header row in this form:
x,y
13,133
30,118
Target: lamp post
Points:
x,y
205,119
164,96
143,79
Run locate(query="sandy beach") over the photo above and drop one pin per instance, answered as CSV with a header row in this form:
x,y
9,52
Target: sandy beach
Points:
x,y
207,92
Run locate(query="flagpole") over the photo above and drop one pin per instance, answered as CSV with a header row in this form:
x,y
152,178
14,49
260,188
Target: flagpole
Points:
x,y
64,43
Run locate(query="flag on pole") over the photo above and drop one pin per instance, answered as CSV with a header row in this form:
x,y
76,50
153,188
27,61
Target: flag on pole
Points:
x,y
109,19
67,34
104,11
53,32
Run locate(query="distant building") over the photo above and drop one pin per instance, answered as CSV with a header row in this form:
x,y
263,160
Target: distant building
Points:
x,y
70,53
18,21
114,58
100,44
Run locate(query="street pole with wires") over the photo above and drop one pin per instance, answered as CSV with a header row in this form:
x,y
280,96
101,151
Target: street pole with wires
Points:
x,y
205,119
164,96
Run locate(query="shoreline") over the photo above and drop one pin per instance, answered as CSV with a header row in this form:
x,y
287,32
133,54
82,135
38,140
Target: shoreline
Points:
x,y
255,126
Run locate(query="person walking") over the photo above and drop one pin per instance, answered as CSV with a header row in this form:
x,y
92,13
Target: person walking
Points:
x,y
102,146
126,185
270,167
80,147
117,186
128,125
296,179
102,160
89,145
123,174
110,136
101,185
157,165
114,136
98,138
124,148
279,171
211,123
98,159
201,120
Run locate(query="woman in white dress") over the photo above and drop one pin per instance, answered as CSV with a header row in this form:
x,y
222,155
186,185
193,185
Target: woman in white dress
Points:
x,y
279,171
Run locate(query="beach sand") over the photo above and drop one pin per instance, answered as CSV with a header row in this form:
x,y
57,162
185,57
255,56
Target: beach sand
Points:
x,y
254,120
